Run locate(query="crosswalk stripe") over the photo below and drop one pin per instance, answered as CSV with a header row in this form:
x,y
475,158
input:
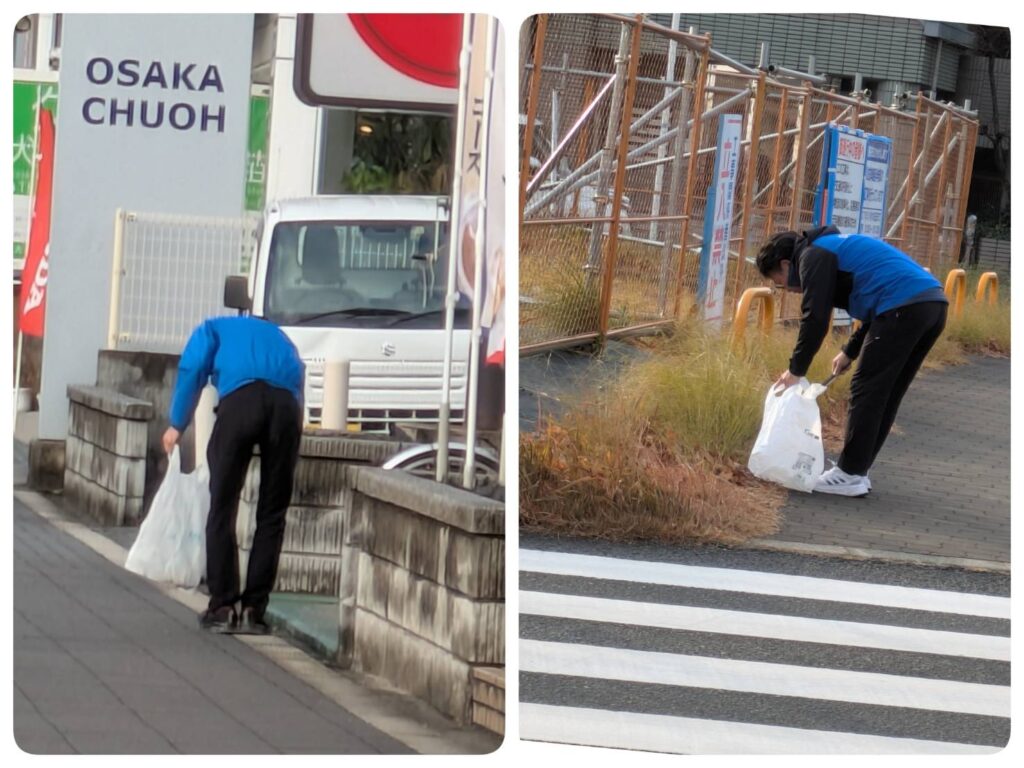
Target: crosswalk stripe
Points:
x,y
663,733
760,677
795,628
754,582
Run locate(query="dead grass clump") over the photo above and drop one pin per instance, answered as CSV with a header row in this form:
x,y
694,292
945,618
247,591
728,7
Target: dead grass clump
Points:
x,y
615,478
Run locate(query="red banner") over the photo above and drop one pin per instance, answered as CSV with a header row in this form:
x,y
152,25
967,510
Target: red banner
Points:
x,y
36,269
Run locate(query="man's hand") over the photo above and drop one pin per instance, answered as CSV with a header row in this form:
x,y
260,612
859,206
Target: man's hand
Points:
x,y
170,439
786,380
840,363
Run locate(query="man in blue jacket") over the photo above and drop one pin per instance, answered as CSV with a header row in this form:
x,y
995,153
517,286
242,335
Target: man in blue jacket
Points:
x,y
902,310
259,378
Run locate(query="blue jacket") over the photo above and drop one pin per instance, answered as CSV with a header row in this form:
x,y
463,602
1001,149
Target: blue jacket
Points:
x,y
231,352
861,274
884,278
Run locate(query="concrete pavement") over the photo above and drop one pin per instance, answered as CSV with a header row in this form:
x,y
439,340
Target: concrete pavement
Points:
x,y
104,663
108,662
941,485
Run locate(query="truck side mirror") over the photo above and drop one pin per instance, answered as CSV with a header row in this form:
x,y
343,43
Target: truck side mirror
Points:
x,y
236,293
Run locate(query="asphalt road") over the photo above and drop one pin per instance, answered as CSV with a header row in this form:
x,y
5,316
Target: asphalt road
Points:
x,y
716,651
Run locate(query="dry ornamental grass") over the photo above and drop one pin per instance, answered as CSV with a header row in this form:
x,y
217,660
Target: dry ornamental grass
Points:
x,y
661,453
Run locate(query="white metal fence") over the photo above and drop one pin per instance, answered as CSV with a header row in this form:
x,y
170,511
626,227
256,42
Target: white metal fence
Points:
x,y
168,275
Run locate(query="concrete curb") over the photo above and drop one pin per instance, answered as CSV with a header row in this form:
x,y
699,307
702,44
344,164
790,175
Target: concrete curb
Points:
x,y
858,553
393,712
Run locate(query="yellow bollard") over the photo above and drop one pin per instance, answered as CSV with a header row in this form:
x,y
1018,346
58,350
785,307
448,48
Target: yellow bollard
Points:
x,y
988,284
956,290
766,316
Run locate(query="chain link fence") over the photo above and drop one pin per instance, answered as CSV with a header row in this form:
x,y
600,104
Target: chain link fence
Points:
x,y
168,275
619,121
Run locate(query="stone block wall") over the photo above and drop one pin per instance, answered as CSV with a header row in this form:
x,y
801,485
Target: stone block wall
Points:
x,y
423,586
148,376
105,454
311,554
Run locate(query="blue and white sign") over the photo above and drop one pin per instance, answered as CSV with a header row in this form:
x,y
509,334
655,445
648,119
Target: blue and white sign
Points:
x,y
876,179
714,255
854,181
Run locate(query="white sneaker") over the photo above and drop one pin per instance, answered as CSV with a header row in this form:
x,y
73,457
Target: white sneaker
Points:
x,y
837,482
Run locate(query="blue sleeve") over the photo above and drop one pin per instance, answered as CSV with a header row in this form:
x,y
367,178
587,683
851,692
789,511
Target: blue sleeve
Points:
x,y
194,371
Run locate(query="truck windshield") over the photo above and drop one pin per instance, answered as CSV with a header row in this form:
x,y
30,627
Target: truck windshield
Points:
x,y
360,274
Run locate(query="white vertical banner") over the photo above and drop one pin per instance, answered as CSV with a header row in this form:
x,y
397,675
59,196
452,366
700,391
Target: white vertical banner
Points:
x,y
718,220
481,215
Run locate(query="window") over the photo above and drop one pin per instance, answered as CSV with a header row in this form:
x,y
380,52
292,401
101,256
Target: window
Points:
x,y
392,153
361,274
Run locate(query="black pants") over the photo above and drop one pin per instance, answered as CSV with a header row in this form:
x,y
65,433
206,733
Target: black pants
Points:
x,y
897,343
256,414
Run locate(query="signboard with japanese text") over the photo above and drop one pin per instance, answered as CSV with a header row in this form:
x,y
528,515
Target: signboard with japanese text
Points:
x,y
876,180
714,256
854,181
256,158
478,184
28,96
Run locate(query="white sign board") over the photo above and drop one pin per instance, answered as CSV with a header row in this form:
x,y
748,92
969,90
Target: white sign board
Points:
x,y
407,62
876,179
154,117
718,226
849,181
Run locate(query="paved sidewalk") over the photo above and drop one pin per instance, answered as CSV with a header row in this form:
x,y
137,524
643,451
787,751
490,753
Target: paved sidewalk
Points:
x,y
106,663
941,486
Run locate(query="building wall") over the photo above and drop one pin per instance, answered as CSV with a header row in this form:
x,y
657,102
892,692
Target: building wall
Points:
x,y
877,47
293,155
973,84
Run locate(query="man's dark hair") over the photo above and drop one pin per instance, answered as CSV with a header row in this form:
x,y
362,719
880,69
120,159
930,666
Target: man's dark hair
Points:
x,y
779,247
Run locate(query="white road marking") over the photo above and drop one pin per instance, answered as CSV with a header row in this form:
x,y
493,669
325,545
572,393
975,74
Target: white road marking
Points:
x,y
748,624
758,583
763,678
682,735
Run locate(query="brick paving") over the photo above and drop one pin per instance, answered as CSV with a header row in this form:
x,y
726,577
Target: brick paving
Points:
x,y
941,486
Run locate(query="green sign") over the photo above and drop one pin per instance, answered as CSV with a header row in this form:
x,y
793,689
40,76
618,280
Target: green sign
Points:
x,y
26,94
256,158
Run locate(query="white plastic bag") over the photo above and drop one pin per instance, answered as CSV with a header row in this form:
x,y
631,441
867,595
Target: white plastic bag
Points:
x,y
171,545
788,449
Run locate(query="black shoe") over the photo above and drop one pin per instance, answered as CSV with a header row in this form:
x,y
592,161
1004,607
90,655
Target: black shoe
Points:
x,y
251,623
221,621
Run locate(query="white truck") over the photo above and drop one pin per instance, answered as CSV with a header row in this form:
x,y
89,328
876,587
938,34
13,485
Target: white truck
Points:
x,y
362,278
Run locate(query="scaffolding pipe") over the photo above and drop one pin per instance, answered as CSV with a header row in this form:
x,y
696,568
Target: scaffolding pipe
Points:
x,y
721,58
542,172
580,177
928,179
807,76
666,115
675,182
608,153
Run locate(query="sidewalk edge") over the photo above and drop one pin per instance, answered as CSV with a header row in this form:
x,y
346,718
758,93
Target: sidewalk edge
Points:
x,y
860,553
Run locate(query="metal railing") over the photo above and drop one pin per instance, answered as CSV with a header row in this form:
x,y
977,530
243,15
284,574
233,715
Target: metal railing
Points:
x,y
168,275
